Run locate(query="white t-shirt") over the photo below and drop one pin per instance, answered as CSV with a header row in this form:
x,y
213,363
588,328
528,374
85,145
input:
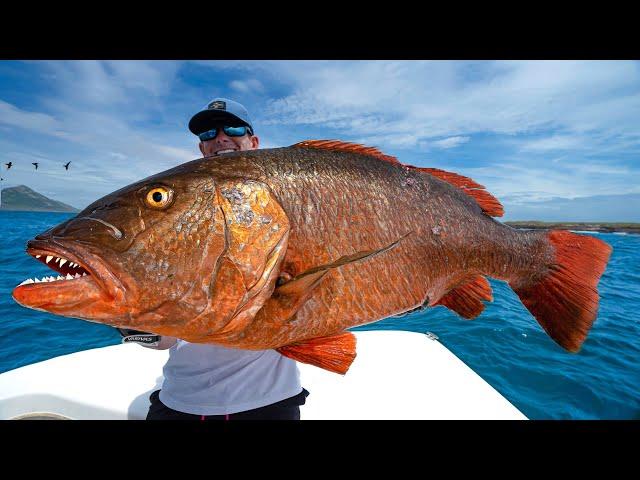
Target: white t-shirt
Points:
x,y
213,380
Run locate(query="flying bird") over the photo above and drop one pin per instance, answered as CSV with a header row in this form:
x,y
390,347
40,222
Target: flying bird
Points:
x,y
67,165
35,163
9,165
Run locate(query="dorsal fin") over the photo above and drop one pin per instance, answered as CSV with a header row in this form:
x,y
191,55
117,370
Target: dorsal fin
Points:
x,y
487,202
340,146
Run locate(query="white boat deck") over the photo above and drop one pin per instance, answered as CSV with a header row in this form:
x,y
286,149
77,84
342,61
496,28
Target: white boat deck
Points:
x,y
396,375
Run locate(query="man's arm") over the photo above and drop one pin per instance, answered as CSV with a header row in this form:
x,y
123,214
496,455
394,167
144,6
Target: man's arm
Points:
x,y
149,340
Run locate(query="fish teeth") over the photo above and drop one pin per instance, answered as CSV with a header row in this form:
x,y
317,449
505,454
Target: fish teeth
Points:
x,y
84,274
69,277
63,261
38,256
49,257
77,275
26,282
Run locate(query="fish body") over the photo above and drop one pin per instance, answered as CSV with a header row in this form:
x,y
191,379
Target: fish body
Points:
x,y
287,248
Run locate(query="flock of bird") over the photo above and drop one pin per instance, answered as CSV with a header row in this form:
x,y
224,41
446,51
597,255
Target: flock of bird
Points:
x,y
10,164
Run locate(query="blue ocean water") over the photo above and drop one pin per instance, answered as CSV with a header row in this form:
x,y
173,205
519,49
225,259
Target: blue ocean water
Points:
x,y
505,345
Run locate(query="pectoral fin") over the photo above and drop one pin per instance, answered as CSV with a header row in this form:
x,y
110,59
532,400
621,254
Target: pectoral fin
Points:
x,y
335,353
289,297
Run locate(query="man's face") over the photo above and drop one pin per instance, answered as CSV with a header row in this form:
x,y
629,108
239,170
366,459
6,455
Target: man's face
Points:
x,y
223,143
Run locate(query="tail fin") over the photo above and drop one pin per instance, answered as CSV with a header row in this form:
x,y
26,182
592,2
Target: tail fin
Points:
x,y
565,300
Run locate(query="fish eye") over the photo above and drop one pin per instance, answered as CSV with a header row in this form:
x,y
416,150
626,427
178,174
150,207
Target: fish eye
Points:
x,y
159,197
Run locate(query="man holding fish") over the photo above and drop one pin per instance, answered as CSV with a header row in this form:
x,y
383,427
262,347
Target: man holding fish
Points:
x,y
252,255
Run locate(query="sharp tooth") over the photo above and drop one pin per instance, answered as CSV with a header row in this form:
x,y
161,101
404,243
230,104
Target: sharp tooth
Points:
x,y
63,261
72,265
36,280
38,256
51,279
56,260
60,278
84,274
69,277
77,275
49,257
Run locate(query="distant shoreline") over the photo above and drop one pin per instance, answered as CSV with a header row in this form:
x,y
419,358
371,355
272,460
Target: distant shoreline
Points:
x,y
602,227
2,209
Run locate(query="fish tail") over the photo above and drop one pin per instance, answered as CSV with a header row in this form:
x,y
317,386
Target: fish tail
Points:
x,y
564,299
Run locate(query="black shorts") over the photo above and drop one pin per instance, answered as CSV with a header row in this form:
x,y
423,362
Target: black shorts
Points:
x,y
287,409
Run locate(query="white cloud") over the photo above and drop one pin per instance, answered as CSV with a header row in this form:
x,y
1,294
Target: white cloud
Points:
x,y
16,117
555,142
450,142
435,99
246,86
521,181
178,155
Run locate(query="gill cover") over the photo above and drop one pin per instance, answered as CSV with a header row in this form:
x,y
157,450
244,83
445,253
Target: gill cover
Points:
x,y
256,233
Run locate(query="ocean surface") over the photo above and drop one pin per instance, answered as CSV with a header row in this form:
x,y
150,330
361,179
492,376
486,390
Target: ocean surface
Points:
x,y
504,345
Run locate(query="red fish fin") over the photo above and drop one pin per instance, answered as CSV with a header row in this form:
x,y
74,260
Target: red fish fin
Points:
x,y
488,203
340,146
334,353
466,300
565,300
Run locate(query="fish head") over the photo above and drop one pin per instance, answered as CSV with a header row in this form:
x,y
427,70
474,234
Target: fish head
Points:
x,y
175,254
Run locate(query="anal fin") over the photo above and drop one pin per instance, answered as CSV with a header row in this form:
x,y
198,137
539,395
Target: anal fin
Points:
x,y
334,353
466,300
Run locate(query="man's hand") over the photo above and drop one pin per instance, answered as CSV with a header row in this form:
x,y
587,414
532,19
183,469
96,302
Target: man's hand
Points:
x,y
141,338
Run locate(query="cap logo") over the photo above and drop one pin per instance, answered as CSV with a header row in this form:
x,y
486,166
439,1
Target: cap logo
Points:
x,y
217,105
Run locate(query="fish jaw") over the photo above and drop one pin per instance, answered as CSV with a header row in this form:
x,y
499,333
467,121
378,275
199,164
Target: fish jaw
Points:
x,y
88,289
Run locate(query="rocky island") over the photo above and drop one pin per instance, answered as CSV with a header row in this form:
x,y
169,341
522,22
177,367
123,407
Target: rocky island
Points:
x,y
23,198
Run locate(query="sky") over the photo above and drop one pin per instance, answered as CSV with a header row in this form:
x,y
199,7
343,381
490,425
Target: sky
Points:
x,y
552,140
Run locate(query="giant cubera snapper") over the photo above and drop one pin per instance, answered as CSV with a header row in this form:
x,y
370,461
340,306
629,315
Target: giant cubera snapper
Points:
x,y
287,248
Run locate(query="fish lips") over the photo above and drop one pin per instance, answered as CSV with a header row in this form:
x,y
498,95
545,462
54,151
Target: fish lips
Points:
x,y
100,281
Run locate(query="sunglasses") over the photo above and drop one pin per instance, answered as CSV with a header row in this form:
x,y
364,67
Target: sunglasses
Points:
x,y
228,131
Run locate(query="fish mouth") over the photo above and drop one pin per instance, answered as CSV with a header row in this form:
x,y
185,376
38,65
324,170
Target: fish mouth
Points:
x,y
82,278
